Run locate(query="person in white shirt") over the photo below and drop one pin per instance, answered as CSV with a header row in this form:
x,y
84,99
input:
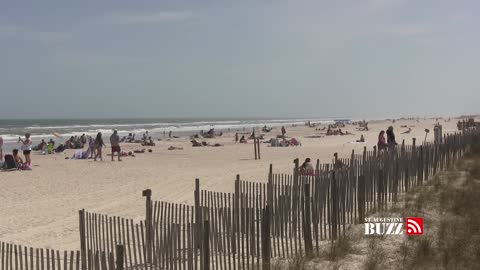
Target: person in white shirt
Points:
x,y
26,148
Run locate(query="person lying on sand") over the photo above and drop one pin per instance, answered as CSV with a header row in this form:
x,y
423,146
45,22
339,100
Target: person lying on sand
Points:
x,y
80,154
139,151
314,136
243,140
407,131
216,145
195,143
175,148
125,154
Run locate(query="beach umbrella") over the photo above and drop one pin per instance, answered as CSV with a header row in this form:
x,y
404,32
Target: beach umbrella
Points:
x,y
426,133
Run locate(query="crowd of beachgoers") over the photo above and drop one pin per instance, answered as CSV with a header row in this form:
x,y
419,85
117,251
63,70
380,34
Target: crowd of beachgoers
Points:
x,y
89,147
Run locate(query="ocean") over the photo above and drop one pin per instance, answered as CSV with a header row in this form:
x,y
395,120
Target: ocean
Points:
x,y
39,129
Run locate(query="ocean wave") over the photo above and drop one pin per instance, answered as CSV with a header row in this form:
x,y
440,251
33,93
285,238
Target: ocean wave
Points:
x,y
154,128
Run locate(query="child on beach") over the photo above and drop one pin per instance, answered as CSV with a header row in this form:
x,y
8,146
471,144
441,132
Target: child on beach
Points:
x,y
98,147
382,144
26,148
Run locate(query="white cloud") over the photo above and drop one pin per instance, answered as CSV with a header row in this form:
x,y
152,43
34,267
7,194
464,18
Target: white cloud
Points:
x,y
147,18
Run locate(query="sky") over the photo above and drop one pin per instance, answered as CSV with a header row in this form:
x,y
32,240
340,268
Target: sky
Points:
x,y
234,59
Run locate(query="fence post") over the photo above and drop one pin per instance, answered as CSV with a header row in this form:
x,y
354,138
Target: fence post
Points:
x,y
307,233
206,245
361,198
258,148
119,253
147,193
255,145
334,206
266,238
295,170
197,214
83,246
270,172
236,216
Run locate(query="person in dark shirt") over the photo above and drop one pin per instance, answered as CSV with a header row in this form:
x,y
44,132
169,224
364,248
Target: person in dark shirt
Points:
x,y
391,137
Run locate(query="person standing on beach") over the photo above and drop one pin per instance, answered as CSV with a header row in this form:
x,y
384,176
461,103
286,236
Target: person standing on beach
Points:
x,y
26,148
236,137
91,146
170,134
98,147
391,137
307,168
381,144
115,143
283,131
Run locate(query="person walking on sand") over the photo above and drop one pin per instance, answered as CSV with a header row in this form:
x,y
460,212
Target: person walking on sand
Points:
x,y
26,148
391,137
115,143
98,147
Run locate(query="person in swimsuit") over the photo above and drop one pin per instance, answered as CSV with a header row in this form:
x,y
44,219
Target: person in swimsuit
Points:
x,y
98,147
115,143
26,148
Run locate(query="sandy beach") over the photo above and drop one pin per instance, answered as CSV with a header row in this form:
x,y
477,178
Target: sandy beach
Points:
x,y
39,208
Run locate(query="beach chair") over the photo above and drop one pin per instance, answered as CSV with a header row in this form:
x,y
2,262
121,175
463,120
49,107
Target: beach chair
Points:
x,y
10,163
